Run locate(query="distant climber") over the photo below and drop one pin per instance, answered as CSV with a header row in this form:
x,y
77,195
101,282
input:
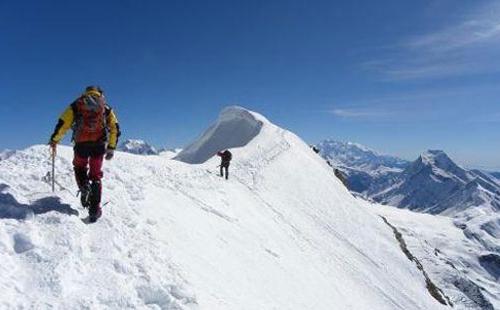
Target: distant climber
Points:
x,y
226,157
95,136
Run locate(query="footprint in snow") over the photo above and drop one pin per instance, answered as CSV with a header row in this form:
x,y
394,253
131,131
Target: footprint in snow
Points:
x,y
22,243
166,297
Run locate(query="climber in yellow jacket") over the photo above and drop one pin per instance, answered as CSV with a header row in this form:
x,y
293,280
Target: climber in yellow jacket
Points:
x,y
95,136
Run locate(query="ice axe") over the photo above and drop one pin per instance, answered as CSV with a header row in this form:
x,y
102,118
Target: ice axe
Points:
x,y
53,158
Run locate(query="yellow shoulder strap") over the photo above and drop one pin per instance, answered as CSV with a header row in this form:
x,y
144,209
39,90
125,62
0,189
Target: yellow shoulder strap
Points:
x,y
93,92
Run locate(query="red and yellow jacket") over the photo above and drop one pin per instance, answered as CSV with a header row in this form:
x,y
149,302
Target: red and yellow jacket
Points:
x,y
82,116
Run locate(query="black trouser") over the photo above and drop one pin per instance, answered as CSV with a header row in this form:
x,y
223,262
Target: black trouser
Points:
x,y
224,166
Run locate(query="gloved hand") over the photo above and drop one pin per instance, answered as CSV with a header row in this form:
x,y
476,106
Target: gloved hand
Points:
x,y
53,146
109,154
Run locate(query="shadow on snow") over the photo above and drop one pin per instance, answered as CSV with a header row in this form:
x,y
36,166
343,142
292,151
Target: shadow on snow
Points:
x,y
10,208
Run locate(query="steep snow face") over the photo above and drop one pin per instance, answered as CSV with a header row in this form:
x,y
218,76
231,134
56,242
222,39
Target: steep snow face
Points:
x,y
281,233
235,127
139,147
441,165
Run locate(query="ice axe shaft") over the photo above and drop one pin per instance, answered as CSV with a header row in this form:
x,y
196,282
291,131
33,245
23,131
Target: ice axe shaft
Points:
x,y
53,157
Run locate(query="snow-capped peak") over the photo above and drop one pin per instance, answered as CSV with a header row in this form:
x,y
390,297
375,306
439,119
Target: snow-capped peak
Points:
x,y
136,146
437,158
435,184
438,163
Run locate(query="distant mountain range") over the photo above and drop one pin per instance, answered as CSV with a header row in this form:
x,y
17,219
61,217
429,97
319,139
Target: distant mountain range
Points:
x,y
359,157
365,168
139,147
433,183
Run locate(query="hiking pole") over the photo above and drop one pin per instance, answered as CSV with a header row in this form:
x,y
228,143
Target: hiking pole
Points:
x,y
53,155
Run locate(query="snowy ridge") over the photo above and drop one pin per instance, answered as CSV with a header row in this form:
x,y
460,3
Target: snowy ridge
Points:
x,y
177,236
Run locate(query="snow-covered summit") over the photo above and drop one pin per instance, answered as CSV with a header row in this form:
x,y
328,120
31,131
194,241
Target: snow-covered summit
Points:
x,y
436,157
135,146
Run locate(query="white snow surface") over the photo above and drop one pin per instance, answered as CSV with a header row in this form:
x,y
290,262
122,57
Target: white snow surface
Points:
x,y
281,233
6,154
170,153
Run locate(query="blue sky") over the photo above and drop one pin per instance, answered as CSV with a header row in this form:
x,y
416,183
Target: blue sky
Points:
x,y
398,76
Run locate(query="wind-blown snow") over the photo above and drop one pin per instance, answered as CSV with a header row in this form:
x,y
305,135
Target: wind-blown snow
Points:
x,y
281,233
234,128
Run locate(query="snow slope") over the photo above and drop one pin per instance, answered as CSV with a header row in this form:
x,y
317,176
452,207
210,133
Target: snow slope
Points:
x,y
463,267
282,233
